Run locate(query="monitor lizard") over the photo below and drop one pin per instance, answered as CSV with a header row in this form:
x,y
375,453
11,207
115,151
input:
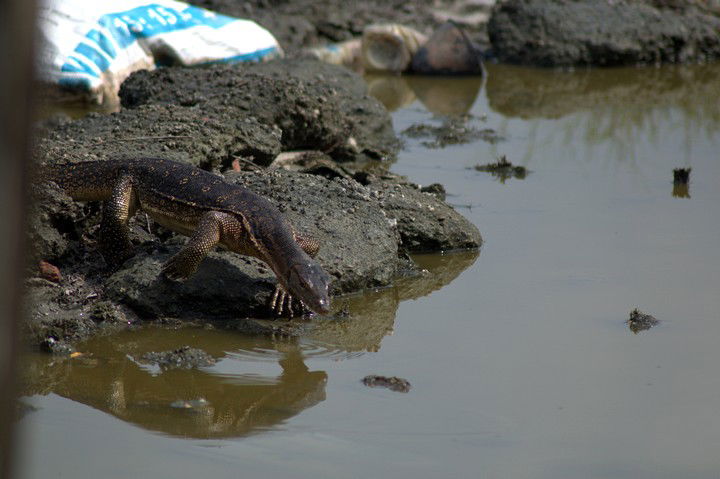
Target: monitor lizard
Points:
x,y
204,207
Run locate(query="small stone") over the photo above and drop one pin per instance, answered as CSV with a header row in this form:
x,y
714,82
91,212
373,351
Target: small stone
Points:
x,y
49,271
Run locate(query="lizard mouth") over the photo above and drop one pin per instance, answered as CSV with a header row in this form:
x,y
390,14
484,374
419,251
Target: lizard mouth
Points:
x,y
309,283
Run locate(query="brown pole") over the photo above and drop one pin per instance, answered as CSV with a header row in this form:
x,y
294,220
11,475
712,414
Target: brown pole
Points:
x,y
17,38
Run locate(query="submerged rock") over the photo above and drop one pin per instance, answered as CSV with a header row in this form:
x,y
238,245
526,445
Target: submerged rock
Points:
x,y
640,321
502,169
181,358
564,33
681,176
681,182
392,383
454,130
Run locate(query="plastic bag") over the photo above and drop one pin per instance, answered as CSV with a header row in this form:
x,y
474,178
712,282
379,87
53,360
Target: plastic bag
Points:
x,y
91,47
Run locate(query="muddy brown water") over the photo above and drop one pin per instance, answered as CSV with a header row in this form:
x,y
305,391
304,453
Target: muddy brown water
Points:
x,y
520,361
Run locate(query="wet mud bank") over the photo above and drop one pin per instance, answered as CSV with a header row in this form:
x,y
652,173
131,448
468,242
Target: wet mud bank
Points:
x,y
232,121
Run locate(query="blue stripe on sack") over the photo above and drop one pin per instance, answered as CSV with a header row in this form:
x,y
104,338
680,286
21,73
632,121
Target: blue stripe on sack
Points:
x,y
154,19
144,22
75,83
78,65
118,29
103,42
93,55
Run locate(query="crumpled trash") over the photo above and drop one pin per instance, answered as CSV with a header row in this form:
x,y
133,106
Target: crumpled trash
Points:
x,y
397,49
89,48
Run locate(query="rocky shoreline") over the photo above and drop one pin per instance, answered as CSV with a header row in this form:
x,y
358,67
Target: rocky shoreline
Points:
x,y
233,121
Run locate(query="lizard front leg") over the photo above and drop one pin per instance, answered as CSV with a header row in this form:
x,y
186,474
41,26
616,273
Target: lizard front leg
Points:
x,y
115,244
206,236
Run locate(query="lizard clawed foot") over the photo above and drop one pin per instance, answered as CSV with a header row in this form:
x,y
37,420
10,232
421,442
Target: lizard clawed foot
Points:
x,y
281,299
114,262
116,254
178,268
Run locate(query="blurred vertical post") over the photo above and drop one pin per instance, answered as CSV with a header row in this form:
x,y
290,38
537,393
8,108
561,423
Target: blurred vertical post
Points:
x,y
17,38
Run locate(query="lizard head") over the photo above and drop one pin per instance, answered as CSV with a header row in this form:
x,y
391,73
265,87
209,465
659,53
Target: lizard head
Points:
x,y
308,282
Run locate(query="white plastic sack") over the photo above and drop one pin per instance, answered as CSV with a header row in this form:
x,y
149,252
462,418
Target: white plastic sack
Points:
x,y
92,46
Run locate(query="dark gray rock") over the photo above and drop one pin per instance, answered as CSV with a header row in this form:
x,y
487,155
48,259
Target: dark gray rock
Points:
x,y
448,52
204,138
425,222
566,33
70,311
53,221
359,242
225,286
316,106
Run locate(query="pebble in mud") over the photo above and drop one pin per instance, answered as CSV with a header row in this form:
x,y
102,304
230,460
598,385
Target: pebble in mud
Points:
x,y
392,383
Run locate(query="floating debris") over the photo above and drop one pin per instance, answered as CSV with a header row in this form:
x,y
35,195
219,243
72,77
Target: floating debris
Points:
x,y
54,345
435,189
503,169
453,131
392,383
640,321
191,404
181,358
310,162
681,182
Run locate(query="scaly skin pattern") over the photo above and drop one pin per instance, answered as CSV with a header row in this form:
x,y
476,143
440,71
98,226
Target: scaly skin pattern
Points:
x,y
204,207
